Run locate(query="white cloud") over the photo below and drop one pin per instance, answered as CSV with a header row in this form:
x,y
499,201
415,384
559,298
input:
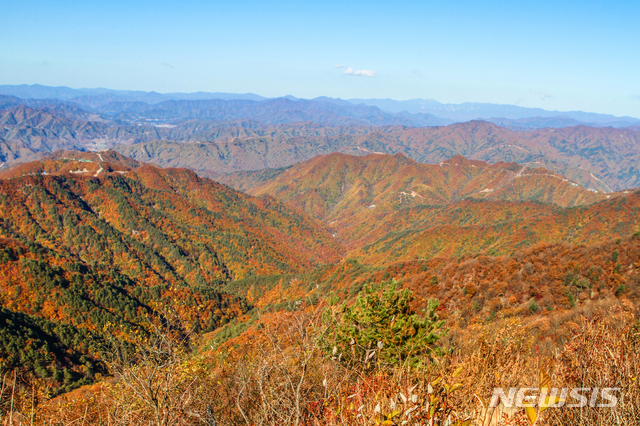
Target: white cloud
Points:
x,y
542,94
339,66
361,73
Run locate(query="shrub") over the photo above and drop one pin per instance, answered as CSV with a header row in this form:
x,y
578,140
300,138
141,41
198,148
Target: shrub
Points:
x,y
382,328
583,283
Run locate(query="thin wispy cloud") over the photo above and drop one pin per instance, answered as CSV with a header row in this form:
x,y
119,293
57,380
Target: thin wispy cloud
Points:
x,y
360,73
542,94
339,66
166,64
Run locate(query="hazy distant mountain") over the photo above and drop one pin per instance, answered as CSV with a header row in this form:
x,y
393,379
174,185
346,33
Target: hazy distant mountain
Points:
x,y
215,95
473,111
270,111
155,98
243,134
136,106
101,96
8,101
534,123
38,91
28,133
435,113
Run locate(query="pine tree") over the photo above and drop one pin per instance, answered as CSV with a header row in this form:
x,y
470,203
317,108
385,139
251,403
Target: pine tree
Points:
x,y
382,329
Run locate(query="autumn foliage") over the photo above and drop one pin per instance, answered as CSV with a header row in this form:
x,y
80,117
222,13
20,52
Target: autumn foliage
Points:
x,y
136,295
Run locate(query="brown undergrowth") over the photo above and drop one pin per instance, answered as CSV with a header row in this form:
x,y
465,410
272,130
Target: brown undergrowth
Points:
x,y
282,375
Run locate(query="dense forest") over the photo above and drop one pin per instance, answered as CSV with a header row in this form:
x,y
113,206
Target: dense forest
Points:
x,y
131,294
86,252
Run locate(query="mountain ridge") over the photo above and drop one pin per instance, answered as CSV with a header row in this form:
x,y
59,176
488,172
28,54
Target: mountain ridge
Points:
x,y
468,111
96,247
603,159
458,112
231,135
355,195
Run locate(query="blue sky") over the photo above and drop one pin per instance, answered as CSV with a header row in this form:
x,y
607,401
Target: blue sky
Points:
x,y
557,55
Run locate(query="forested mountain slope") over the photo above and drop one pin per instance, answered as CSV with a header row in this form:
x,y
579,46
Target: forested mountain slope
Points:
x,y
391,207
98,240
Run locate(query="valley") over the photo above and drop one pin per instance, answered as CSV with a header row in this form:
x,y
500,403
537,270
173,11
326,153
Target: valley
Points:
x,y
226,253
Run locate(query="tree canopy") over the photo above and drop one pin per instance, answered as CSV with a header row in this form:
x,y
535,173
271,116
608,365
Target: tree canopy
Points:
x,y
382,329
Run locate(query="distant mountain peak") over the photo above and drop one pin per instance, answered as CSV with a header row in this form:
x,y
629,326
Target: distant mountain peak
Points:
x,y
459,160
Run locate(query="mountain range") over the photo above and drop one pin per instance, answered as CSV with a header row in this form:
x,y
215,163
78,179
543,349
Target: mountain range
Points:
x,y
218,136
484,111
454,112
96,245
601,158
224,220
386,207
100,96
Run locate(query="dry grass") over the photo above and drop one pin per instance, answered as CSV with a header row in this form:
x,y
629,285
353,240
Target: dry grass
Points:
x,y
282,377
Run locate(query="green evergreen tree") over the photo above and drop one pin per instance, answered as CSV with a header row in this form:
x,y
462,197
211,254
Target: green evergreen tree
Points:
x,y
382,329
